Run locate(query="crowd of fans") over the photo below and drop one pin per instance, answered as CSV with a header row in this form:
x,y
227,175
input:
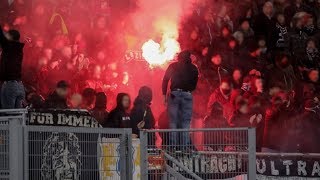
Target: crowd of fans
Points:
x,y
258,63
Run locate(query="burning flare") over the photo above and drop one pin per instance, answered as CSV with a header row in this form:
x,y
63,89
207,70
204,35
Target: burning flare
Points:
x,y
159,54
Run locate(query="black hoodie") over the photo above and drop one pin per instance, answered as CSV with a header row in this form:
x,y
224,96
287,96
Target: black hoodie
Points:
x,y
11,58
183,74
141,110
54,101
99,111
119,117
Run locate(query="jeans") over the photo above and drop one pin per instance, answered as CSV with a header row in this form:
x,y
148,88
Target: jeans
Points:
x,y
180,113
12,95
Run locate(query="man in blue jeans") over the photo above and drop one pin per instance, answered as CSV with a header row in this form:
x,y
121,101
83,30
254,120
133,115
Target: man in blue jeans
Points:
x,y
184,77
12,90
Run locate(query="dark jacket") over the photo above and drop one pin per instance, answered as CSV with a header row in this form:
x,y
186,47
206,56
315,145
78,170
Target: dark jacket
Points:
x,y
217,97
284,76
280,37
141,112
11,59
183,74
214,74
54,101
99,111
277,128
309,59
308,131
263,26
297,41
118,117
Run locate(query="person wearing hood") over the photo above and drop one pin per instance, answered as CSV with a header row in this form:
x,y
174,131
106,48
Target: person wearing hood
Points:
x,y
119,117
184,78
216,71
99,111
12,90
141,114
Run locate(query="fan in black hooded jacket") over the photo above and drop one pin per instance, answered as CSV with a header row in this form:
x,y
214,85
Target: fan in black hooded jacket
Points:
x,y
141,111
119,117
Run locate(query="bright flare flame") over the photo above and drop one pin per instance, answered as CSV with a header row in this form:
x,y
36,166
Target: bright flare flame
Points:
x,y
156,54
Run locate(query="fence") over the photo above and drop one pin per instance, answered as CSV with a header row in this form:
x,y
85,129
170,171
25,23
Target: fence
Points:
x,y
44,152
198,154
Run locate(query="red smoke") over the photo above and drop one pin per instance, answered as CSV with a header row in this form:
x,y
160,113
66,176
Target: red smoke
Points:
x,y
159,23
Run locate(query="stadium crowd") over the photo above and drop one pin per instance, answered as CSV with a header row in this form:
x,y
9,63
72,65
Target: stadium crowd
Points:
x,y
258,65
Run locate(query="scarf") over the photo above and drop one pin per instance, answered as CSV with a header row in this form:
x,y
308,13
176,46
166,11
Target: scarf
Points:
x,y
312,53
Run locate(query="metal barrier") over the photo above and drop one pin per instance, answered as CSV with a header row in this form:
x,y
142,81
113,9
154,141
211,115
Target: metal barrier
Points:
x,y
46,152
76,153
11,122
225,153
4,152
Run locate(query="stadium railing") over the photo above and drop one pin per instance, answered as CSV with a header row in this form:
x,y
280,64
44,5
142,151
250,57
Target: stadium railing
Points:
x,y
55,152
224,153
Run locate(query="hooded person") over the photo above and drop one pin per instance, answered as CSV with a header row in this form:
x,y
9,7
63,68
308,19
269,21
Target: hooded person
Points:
x,y
119,117
99,111
183,76
141,113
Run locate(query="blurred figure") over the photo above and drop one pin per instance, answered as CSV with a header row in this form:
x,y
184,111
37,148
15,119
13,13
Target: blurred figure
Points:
x,y
310,59
282,73
12,90
309,121
241,115
120,117
216,71
88,98
141,113
221,95
99,112
58,99
216,118
35,101
237,78
263,23
278,123
280,34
